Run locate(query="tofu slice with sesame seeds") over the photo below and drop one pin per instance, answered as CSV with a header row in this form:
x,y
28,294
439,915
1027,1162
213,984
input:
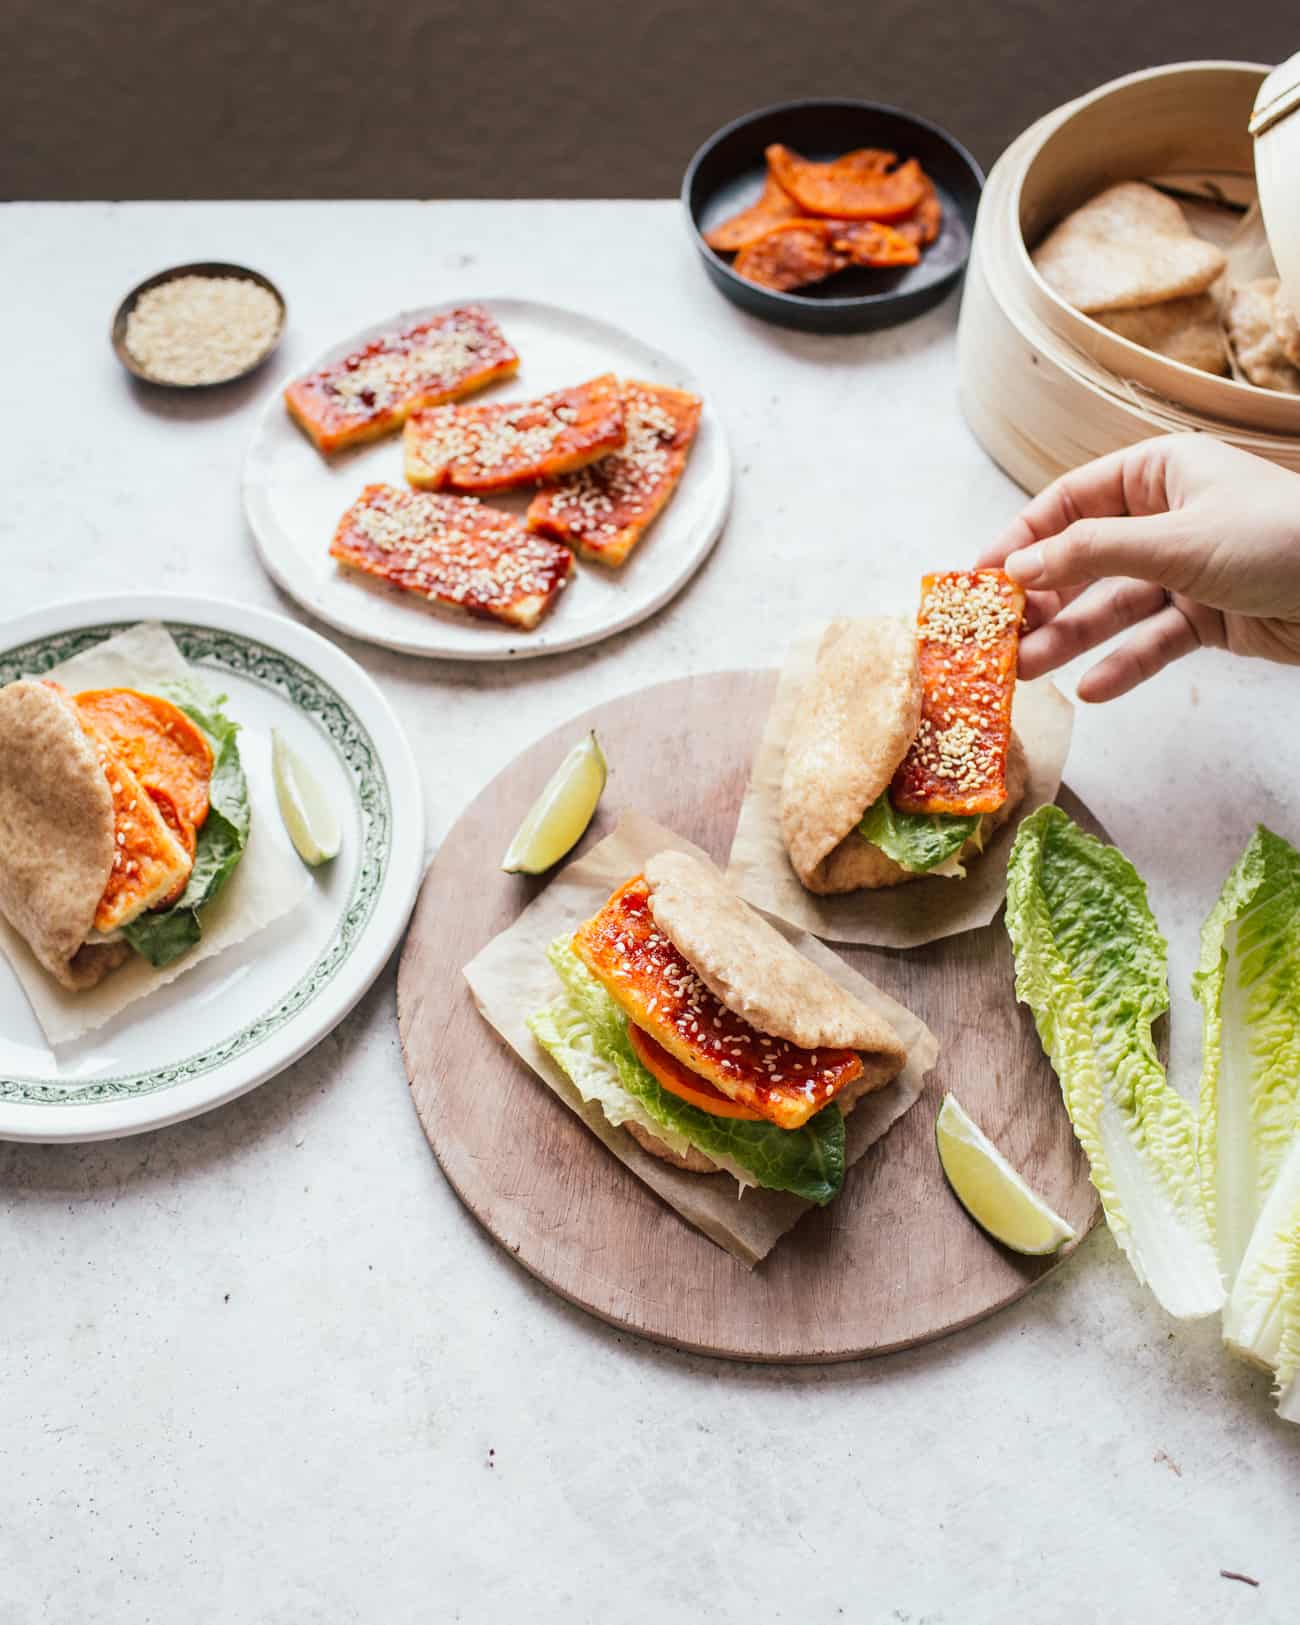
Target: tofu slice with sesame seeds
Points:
x,y
373,390
605,509
455,553
659,991
484,450
150,865
968,642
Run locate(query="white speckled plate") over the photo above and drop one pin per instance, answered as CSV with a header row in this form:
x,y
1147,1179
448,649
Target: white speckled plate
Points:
x,y
294,498
235,1019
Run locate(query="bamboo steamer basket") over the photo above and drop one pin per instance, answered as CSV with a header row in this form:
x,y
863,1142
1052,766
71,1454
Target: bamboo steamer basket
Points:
x,y
1044,387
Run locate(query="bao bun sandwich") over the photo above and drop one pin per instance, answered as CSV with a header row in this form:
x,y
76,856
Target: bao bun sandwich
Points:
x,y
121,814
698,1028
902,760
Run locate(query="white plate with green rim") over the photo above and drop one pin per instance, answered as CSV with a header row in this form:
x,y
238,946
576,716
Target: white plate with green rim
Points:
x,y
294,499
240,1017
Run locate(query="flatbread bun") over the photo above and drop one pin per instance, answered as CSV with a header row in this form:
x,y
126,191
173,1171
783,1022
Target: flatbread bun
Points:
x,y
1258,343
1186,330
750,967
691,1161
854,724
1129,246
56,833
857,865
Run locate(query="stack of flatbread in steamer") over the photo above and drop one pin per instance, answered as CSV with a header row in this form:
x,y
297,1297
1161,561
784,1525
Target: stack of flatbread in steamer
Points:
x,y
1130,259
1264,329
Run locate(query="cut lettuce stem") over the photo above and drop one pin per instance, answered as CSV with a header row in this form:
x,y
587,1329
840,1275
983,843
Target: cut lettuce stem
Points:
x,y
1248,985
1288,1354
585,1033
1265,1301
924,843
1091,965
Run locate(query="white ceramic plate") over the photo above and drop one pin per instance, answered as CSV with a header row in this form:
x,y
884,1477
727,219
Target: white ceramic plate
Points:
x,y
238,1018
294,499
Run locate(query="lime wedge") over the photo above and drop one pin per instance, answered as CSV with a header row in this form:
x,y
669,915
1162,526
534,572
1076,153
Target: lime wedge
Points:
x,y
561,813
991,1190
312,823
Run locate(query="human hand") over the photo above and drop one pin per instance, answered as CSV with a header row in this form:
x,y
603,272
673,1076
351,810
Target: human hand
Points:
x,y
1191,542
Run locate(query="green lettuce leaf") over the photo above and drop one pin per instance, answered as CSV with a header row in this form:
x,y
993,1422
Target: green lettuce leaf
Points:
x,y
165,934
918,841
1090,964
1248,985
1265,1296
585,1032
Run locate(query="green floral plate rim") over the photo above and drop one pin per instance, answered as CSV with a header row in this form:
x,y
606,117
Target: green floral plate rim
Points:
x,y
223,649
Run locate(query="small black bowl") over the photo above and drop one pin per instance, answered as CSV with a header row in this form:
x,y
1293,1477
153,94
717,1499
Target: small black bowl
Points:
x,y
213,268
727,174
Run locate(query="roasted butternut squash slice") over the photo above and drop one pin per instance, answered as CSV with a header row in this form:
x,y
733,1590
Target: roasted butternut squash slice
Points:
x,y
854,187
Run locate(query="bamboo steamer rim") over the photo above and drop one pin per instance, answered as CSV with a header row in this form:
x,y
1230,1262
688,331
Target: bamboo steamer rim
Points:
x,y
1159,412
1181,391
1038,417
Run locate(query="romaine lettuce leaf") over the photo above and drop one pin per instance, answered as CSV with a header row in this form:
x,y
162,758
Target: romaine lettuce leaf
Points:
x,y
1248,984
1268,1281
164,934
921,842
1090,963
585,1032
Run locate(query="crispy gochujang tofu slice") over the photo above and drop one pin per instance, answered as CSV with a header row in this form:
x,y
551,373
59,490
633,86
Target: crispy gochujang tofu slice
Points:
x,y
659,992
150,866
968,640
482,450
604,510
375,389
453,551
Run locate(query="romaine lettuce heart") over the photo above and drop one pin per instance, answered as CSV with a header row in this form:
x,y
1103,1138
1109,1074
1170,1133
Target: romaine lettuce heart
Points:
x,y
585,1033
920,842
166,934
1248,985
1090,963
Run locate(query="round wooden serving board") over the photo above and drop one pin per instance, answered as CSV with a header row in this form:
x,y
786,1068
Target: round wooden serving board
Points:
x,y
894,1261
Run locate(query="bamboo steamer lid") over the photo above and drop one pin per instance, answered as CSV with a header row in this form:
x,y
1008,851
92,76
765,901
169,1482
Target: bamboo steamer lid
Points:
x,y
1275,125
1044,387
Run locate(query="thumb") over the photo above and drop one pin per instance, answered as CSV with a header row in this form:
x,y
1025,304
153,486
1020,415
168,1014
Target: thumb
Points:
x,y
1145,548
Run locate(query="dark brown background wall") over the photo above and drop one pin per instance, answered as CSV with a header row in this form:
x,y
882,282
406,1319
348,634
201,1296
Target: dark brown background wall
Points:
x,y
451,98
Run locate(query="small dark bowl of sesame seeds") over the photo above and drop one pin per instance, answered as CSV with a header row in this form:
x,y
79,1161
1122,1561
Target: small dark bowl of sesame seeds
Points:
x,y
197,326
727,174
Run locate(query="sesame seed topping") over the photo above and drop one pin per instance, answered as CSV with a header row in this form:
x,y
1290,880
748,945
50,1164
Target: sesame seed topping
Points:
x,y
601,504
427,359
517,442
453,550
967,634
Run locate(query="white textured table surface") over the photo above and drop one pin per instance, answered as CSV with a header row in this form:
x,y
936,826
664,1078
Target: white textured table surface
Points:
x,y
262,1368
